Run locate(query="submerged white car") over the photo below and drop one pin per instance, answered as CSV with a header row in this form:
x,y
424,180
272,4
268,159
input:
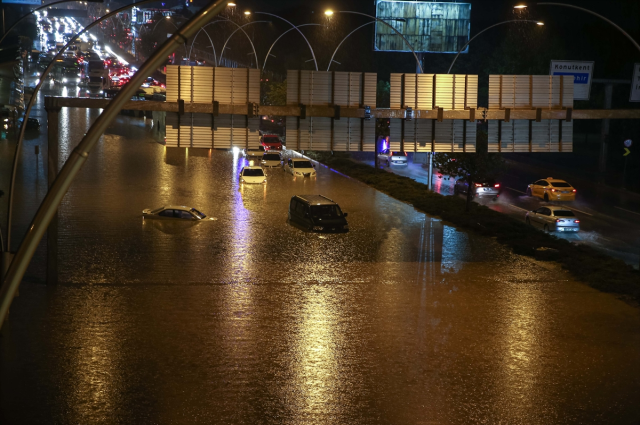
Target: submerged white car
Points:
x,y
257,151
271,159
300,167
253,175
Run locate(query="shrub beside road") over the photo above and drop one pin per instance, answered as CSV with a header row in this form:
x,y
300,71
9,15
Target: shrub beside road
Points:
x,y
584,263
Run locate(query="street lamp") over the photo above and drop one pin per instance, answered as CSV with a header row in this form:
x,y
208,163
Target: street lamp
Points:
x,y
486,29
522,6
79,155
387,24
336,51
249,38
264,64
297,29
328,12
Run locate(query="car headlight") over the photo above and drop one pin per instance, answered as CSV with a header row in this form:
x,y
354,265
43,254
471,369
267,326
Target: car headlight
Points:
x,y
318,228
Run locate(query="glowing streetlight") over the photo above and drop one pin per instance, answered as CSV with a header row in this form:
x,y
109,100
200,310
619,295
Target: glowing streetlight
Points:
x,y
247,13
231,4
540,23
520,6
328,12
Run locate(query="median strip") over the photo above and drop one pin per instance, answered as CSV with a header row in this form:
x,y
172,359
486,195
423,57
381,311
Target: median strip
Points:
x,y
597,270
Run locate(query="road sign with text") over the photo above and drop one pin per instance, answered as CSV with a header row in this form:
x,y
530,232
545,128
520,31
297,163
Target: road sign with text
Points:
x,y
582,73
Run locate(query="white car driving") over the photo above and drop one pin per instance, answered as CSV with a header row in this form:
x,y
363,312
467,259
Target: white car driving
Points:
x,y
253,175
388,157
300,167
257,151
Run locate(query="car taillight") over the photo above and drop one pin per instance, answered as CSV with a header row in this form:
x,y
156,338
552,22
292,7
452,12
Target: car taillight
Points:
x,y
478,185
558,221
553,190
496,185
576,221
574,191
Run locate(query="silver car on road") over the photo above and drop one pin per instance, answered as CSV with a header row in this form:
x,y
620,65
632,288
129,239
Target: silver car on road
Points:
x,y
552,219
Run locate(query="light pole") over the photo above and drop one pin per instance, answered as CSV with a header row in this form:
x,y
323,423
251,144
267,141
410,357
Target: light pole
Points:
x,y
224,46
486,29
215,57
264,64
6,253
79,155
348,35
297,29
331,12
36,10
635,43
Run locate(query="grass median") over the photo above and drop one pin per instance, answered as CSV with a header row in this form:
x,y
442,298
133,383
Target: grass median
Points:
x,y
597,270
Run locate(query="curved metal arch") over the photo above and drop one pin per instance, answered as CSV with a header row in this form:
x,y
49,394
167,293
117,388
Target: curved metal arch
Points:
x,y
281,35
240,28
393,28
80,154
215,57
34,96
486,29
348,35
296,28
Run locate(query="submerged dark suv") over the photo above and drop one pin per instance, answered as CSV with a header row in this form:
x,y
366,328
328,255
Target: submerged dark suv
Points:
x,y
317,213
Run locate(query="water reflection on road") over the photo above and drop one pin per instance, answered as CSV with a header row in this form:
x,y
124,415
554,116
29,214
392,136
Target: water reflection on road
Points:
x,y
247,319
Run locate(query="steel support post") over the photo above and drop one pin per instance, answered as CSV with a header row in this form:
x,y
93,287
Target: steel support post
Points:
x,y
604,133
53,123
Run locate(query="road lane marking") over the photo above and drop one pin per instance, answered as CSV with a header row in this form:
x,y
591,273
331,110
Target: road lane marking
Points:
x,y
515,190
511,205
632,212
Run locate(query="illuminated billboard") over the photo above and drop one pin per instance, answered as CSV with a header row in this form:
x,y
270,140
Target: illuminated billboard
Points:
x,y
430,27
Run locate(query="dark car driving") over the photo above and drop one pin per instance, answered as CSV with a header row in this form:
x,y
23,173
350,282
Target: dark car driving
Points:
x,y
317,213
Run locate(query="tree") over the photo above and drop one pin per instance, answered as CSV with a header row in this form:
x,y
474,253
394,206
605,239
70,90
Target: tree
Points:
x,y
474,167
275,93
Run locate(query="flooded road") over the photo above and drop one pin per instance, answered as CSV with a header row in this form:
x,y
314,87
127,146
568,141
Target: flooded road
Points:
x,y
248,320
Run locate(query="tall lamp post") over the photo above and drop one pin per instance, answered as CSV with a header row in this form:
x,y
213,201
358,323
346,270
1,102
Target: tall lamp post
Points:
x,y
249,38
264,64
331,12
293,27
343,40
486,29
6,254
79,155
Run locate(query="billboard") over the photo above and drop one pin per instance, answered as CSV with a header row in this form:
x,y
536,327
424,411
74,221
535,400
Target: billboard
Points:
x,y
582,73
29,2
430,27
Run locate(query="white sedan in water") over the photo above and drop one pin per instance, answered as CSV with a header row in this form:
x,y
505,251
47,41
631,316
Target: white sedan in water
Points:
x,y
300,167
253,175
388,157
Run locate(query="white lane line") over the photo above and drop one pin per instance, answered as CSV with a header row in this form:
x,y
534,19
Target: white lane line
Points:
x,y
632,212
515,190
511,205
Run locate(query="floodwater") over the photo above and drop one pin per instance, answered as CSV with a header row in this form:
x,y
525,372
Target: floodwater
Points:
x,y
247,319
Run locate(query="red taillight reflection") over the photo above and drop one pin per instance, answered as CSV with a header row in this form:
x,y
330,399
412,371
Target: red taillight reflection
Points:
x,y
478,185
576,221
553,190
558,221
574,191
496,185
